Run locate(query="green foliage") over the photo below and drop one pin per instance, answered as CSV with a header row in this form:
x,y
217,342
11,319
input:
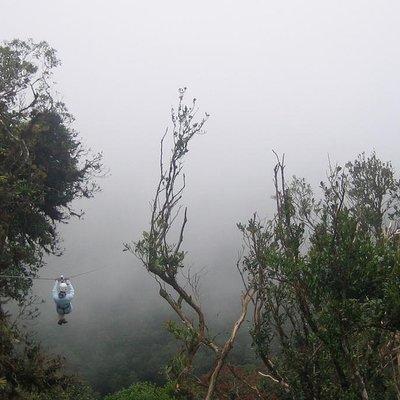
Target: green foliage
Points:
x,y
43,166
25,369
72,391
326,276
143,391
181,332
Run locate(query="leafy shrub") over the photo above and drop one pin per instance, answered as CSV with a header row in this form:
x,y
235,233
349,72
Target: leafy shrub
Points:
x,y
143,391
74,391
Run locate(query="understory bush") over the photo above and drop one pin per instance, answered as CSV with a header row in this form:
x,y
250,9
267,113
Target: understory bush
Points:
x,y
143,391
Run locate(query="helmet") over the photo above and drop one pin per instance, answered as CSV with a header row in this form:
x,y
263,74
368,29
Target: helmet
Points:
x,y
63,287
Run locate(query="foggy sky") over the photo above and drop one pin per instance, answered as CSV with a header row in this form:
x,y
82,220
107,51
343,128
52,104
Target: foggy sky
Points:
x,y
305,78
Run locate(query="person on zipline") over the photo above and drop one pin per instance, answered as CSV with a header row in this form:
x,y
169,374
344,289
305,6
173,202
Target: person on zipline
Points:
x,y
63,292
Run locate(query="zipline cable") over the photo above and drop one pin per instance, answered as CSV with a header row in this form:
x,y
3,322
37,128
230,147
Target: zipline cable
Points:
x,y
26,277
52,279
88,272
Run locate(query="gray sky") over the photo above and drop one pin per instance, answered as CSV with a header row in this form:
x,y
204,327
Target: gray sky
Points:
x,y
306,78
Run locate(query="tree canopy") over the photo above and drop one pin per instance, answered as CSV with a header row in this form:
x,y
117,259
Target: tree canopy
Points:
x,y
321,279
43,165
325,273
43,168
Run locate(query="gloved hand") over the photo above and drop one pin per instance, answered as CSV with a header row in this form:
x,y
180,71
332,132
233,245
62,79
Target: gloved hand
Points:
x,y
68,282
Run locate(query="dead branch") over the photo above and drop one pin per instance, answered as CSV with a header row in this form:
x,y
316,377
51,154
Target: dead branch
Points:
x,y
227,346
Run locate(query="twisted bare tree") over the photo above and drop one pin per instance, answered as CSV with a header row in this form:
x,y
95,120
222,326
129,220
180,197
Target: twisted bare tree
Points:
x,y
160,251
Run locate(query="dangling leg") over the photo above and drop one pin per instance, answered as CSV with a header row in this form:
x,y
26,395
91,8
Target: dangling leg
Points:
x,y
64,321
61,317
65,312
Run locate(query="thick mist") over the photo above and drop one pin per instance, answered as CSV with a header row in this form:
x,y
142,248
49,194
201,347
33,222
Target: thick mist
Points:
x,y
308,79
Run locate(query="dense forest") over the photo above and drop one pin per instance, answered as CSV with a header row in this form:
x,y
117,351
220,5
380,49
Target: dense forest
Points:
x,y
319,304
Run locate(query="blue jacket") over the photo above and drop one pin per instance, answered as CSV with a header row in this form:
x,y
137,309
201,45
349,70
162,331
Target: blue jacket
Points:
x,y
64,303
